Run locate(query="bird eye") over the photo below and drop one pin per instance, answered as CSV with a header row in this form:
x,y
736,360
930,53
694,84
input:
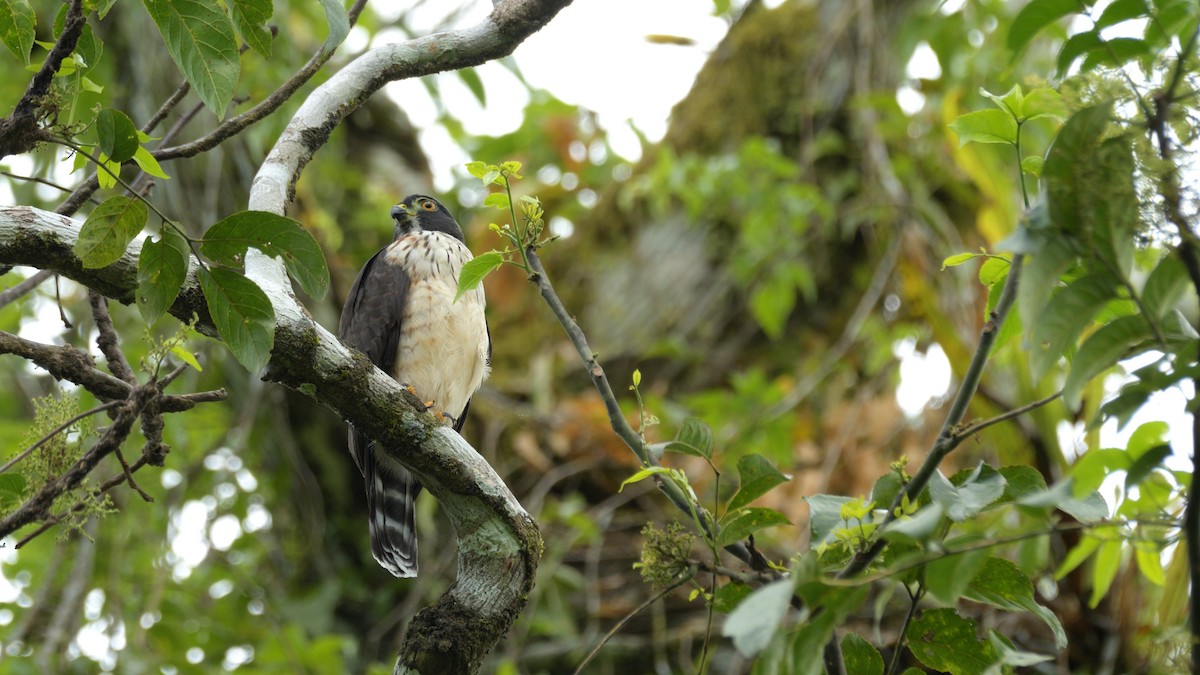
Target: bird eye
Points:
x,y
429,205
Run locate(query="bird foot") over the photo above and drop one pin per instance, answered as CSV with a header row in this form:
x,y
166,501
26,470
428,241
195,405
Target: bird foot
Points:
x,y
442,417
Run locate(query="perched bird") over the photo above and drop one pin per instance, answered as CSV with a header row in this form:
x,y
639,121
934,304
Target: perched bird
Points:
x,y
402,314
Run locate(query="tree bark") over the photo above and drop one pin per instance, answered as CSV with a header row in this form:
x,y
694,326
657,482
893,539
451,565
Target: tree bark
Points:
x,y
498,542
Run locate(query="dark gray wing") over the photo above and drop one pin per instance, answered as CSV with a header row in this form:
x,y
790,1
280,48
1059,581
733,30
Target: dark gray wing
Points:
x,y
371,322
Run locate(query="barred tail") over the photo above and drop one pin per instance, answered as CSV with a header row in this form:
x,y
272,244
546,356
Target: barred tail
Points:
x,y
391,497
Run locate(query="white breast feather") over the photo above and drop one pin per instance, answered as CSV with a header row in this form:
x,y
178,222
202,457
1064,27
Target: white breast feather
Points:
x,y
443,343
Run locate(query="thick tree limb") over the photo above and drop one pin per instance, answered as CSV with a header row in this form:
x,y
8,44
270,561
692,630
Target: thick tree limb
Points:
x,y
498,542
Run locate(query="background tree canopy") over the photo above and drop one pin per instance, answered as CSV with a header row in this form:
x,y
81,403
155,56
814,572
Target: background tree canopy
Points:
x,y
900,315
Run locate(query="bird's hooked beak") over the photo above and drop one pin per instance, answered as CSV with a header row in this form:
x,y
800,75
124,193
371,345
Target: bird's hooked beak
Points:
x,y
405,217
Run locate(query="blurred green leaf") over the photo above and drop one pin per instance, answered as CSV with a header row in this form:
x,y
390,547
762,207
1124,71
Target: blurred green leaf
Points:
x,y
1101,351
474,271
758,617
1035,16
250,19
737,525
860,657
339,23
1002,584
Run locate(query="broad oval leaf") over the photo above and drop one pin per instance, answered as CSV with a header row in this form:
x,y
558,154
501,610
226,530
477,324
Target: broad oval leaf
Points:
x,y
694,438
860,656
1002,584
162,268
1077,45
757,476
199,37
986,126
276,236
242,314
945,641
737,525
118,137
475,270
17,27
108,230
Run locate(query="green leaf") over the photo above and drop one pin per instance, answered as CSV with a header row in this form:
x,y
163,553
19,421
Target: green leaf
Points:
x,y
860,657
1009,102
756,475
917,528
1002,584
1053,256
965,501
727,597
643,475
771,303
825,515
1076,556
250,19
958,259
694,438
1067,314
1069,173
12,490
1089,471
477,169
199,37
737,525
476,269
187,357
108,230
1032,165
339,24
1147,463
945,641
1165,287
118,137
497,200
1035,16
1146,437
985,126
1043,102
17,27
162,268
276,236
147,163
1104,570
89,48
470,77
1116,53
1021,480
1077,45
808,643
758,617
242,314
948,577
1100,352
1120,11
1149,561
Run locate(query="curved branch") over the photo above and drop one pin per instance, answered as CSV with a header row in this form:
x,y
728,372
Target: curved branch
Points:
x,y
498,542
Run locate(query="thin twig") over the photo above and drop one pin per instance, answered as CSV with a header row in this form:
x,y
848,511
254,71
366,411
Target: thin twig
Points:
x,y
683,579
972,429
107,339
946,441
24,287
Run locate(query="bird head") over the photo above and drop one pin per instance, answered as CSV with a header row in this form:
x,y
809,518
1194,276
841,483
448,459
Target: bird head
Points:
x,y
419,213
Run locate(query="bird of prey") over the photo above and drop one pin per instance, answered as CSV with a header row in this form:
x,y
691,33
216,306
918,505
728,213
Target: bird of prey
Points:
x,y
402,314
